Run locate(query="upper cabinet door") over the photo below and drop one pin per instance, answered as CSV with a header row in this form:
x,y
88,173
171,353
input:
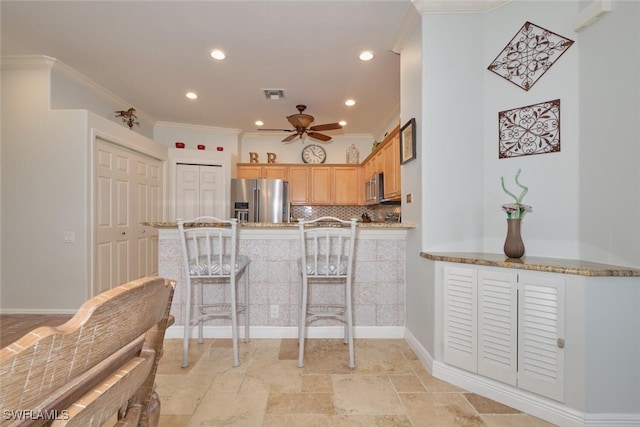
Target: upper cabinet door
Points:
x,y
299,184
320,184
345,185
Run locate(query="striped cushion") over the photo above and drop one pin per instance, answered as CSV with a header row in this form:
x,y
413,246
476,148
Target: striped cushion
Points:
x,y
326,269
202,267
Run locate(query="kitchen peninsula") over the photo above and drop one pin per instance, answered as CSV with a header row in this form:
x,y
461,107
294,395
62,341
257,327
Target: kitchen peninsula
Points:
x,y
379,280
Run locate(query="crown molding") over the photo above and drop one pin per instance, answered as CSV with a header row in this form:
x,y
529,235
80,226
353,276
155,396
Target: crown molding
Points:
x,y
428,7
409,22
31,62
186,126
27,62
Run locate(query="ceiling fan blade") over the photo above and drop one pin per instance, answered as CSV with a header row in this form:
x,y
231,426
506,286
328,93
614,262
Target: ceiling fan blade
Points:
x,y
319,136
290,138
279,130
328,126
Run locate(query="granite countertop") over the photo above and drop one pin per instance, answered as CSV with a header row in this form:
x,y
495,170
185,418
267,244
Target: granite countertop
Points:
x,y
549,265
294,224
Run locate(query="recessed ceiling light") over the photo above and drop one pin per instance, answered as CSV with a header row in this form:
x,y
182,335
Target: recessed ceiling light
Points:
x,y
350,102
218,54
342,123
191,95
367,55
259,123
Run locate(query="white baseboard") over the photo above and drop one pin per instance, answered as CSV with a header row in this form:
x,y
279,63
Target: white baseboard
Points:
x,y
274,332
612,420
420,351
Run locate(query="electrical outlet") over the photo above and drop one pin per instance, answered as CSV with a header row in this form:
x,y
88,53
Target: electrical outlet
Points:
x,y
275,311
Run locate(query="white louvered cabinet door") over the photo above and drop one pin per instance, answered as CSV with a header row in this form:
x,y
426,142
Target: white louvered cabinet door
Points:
x,y
498,325
541,335
460,317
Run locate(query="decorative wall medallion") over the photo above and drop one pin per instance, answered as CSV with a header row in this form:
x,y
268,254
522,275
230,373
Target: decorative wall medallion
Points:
x,y
529,54
534,129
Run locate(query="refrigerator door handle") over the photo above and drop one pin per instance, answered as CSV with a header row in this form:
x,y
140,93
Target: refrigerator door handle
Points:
x,y
256,204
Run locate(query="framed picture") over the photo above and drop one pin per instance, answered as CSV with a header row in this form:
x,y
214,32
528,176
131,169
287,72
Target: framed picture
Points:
x,y
408,141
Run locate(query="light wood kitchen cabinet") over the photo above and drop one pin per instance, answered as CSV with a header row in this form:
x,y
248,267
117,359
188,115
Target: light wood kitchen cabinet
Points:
x,y
346,185
391,169
256,171
299,184
313,184
320,185
386,159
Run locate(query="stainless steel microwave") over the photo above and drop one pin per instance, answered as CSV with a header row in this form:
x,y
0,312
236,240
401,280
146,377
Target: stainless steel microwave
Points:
x,y
374,189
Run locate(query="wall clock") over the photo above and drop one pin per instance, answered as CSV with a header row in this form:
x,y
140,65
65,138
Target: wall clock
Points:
x,y
313,154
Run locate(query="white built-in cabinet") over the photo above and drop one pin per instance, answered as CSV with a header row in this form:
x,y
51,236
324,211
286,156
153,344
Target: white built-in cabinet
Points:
x,y
199,190
506,326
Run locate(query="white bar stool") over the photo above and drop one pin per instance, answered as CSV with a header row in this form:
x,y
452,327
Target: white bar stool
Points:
x,y
209,258
327,256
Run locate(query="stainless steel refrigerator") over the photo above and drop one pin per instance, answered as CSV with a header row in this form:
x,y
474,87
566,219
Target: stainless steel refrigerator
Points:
x,y
260,200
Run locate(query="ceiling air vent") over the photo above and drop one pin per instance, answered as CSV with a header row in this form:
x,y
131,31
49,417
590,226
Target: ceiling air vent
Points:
x,y
274,93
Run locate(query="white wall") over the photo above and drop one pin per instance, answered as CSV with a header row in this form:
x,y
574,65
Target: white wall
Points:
x,y
452,142
609,178
419,295
262,144
586,198
168,134
46,190
41,199
553,179
72,90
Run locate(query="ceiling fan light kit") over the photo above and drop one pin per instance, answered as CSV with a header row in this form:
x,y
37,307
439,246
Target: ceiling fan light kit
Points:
x,y
301,123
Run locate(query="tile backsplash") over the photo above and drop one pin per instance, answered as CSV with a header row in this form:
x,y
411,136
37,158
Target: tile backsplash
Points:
x,y
377,213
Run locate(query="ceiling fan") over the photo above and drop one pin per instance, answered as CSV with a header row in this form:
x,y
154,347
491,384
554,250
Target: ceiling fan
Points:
x,y
301,124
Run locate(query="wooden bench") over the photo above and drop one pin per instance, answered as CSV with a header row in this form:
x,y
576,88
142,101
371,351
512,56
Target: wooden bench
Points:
x,y
101,362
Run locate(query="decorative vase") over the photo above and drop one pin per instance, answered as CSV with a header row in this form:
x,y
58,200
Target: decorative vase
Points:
x,y
513,245
353,154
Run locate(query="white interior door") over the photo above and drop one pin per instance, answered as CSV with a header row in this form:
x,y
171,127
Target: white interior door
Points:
x,y
128,191
149,196
199,191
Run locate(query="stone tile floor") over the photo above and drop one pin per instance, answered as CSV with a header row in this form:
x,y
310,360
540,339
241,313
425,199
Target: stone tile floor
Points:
x,y
388,387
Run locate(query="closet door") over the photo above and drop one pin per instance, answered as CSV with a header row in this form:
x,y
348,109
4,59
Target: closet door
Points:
x,y
148,196
127,191
199,191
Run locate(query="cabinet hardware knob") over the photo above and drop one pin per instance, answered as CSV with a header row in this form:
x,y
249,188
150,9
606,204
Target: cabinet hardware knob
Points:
x,y
560,342
123,233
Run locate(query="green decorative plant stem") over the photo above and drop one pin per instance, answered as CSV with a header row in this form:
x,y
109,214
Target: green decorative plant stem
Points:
x,y
518,209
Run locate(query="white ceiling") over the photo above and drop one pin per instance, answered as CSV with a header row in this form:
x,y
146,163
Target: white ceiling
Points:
x,y
150,53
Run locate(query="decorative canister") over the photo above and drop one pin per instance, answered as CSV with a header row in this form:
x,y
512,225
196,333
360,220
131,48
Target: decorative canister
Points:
x,y
353,154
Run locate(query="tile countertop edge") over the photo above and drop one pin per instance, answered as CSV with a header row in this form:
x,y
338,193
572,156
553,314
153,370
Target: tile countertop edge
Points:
x,y
549,265
264,225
